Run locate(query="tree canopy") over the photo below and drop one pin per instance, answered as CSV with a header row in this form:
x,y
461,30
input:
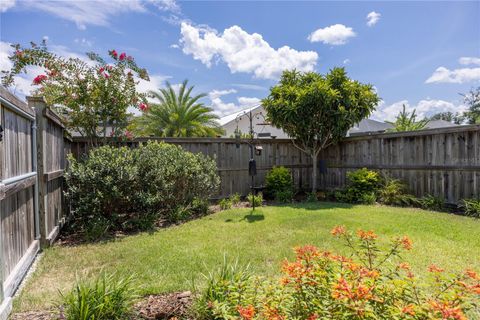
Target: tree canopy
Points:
x,y
93,94
406,121
177,114
318,110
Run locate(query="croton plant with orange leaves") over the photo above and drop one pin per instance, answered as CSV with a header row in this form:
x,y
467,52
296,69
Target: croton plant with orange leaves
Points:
x,y
371,283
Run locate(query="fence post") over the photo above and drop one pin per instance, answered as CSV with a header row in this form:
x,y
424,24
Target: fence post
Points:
x,y
2,296
39,105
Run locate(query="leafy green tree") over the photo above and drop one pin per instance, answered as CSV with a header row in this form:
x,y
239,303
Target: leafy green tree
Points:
x,y
317,110
92,95
472,100
406,121
448,116
177,115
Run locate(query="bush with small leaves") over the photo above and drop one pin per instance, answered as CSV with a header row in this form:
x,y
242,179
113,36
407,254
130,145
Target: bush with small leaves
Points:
x,y
279,179
285,196
362,186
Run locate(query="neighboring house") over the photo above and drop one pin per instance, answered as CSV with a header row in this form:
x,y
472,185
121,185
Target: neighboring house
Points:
x,y
434,124
240,121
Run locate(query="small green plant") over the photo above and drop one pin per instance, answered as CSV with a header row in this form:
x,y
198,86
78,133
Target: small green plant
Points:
x,y
225,204
279,179
108,297
312,197
231,276
471,207
394,192
430,202
257,199
284,196
235,198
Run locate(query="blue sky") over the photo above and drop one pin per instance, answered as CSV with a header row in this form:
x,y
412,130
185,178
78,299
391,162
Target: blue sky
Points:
x,y
421,54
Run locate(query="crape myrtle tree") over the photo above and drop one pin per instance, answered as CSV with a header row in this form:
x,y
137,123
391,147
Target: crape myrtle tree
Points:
x,y
317,110
93,94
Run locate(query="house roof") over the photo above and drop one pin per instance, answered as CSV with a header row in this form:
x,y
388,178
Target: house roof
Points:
x,y
434,124
231,117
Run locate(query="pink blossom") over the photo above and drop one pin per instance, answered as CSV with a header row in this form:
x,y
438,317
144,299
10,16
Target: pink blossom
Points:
x,y
39,79
114,54
142,106
123,55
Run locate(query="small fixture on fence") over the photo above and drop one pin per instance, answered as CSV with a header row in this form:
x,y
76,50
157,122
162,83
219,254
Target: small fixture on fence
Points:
x,y
258,150
1,132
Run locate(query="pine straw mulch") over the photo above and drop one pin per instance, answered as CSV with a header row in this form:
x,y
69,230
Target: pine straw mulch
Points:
x,y
162,306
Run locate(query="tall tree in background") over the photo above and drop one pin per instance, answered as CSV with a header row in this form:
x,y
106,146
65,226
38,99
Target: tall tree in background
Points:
x,y
92,94
406,121
317,110
472,100
177,115
456,118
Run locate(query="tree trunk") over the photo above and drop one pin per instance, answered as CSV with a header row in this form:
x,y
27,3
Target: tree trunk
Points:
x,y
314,172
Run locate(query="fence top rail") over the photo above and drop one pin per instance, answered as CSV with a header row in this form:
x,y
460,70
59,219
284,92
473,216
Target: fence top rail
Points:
x,y
13,103
368,136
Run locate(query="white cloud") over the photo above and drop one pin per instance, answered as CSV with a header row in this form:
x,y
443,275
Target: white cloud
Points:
x,y
346,61
243,52
83,42
6,4
423,109
336,34
94,12
372,18
469,60
247,86
444,75
222,108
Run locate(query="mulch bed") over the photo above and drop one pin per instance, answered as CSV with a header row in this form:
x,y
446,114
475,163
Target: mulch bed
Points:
x,y
162,306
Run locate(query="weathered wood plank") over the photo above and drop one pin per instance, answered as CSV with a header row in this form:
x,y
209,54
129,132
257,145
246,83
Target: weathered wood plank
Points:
x,y
49,176
19,185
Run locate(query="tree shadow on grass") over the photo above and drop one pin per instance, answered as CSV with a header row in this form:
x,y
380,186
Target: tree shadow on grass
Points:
x,y
252,217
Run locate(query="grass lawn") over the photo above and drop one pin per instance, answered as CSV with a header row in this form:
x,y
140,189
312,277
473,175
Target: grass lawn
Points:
x,y
169,259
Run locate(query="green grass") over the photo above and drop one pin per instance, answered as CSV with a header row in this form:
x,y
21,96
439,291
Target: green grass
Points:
x,y
169,259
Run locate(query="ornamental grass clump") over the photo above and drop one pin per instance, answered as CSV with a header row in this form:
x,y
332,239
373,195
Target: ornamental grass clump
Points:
x,y
371,283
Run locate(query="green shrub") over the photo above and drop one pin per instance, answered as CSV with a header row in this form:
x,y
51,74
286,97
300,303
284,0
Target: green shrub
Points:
x,y
170,177
362,186
100,189
279,179
430,202
218,284
471,207
312,197
371,282
284,196
394,192
257,199
235,198
225,204
108,297
130,189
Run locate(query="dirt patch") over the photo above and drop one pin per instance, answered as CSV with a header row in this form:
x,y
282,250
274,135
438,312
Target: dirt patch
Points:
x,y
161,306
165,306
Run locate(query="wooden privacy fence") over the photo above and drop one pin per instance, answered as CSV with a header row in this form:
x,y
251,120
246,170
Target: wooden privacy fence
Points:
x,y
31,202
442,162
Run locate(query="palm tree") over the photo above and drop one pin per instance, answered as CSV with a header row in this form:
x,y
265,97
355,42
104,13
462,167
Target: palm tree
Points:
x,y
406,121
177,115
